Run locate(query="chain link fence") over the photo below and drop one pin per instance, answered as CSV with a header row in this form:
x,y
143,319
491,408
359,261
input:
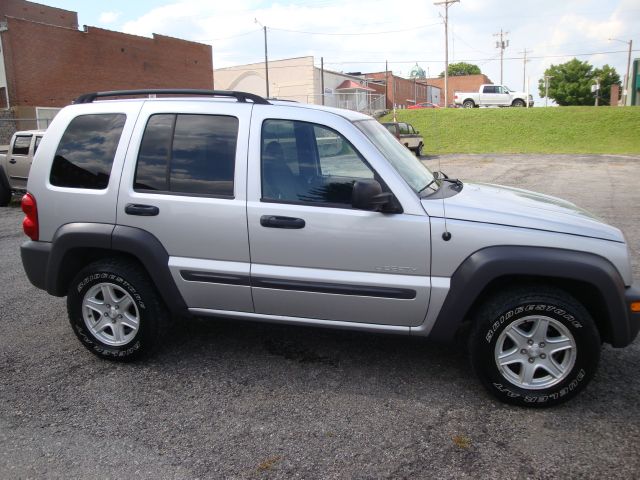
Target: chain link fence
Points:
x,y
10,125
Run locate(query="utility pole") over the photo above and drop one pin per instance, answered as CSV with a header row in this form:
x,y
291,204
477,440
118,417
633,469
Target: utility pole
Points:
x,y
501,44
524,69
386,82
322,78
625,85
446,4
266,59
596,88
547,78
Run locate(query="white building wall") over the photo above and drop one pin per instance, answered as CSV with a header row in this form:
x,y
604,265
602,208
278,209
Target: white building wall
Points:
x,y
291,79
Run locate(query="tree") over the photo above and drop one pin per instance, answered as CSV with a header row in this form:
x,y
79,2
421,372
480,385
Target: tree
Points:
x,y
462,68
572,81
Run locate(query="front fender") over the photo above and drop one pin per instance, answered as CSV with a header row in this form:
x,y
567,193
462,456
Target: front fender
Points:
x,y
489,264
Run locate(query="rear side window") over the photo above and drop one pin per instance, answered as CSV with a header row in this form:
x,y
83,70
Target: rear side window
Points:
x,y
36,144
188,154
21,145
85,154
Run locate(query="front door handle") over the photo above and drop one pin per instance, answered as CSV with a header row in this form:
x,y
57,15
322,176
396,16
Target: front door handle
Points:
x,y
142,210
12,161
273,221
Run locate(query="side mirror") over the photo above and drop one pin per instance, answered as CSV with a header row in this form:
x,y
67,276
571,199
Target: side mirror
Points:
x,y
368,195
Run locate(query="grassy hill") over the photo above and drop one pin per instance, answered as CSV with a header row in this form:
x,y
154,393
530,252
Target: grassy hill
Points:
x,y
601,130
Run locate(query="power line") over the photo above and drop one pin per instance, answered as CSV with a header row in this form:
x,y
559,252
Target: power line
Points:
x,y
354,33
474,60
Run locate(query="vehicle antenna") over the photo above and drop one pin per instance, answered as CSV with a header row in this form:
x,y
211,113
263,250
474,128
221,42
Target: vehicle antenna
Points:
x,y
446,236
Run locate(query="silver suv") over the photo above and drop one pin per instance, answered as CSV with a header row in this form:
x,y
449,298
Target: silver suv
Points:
x,y
145,209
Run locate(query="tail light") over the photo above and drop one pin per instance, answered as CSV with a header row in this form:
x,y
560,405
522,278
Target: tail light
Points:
x,y
30,222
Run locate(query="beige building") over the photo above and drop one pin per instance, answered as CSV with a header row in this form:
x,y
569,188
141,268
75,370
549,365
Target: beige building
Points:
x,y
300,80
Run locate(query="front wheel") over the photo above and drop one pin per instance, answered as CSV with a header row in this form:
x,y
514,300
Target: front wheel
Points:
x,y
419,150
518,103
534,347
115,311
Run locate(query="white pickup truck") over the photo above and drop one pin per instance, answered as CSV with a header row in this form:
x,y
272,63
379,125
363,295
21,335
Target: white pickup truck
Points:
x,y
492,96
15,163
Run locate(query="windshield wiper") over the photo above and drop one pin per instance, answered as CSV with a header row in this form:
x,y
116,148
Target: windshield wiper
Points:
x,y
444,177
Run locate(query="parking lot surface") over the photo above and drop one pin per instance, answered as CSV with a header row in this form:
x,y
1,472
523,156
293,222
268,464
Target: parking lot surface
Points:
x,y
226,399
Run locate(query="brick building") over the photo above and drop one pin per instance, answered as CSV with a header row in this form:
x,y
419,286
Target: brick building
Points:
x,y
402,91
46,62
462,83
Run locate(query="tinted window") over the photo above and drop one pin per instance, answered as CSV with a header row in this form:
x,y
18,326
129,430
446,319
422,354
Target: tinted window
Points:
x,y
86,150
21,145
191,154
307,163
36,144
489,89
404,130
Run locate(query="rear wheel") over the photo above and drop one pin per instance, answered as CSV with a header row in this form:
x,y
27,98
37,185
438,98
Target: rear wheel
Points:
x,y
468,104
115,311
534,346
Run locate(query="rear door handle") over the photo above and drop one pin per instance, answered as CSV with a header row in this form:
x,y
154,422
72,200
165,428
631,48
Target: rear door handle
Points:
x,y
12,161
273,221
142,210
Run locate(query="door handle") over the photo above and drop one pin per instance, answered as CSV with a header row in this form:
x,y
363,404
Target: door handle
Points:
x,y
12,161
142,210
273,221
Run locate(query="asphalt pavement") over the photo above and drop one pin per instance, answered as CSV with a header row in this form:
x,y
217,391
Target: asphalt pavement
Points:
x,y
227,399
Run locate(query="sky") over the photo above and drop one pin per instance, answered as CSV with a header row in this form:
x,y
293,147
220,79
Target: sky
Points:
x,y
357,36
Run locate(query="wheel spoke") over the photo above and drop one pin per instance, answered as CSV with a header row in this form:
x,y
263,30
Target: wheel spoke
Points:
x,y
518,337
550,366
559,344
130,321
125,303
101,324
118,333
539,332
108,295
527,372
511,356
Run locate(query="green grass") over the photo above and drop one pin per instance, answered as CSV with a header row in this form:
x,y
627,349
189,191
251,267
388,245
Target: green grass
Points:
x,y
603,130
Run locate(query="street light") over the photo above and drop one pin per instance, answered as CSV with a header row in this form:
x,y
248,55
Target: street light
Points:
x,y
626,78
266,60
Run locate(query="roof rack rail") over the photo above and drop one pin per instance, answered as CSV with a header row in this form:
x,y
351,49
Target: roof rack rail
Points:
x,y
240,96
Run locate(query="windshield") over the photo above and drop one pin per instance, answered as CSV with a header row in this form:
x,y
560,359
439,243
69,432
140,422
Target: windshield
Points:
x,y
414,172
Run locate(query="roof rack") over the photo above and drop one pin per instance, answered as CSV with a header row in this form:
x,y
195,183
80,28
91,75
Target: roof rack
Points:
x,y
240,96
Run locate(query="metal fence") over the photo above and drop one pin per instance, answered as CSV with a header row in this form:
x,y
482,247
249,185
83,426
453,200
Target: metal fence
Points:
x,y
10,125
363,102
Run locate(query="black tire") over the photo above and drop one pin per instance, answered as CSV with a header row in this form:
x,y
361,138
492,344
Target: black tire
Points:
x,y
518,103
5,190
508,311
419,150
123,278
468,104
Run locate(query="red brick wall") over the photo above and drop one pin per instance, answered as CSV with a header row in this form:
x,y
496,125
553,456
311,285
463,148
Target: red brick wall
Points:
x,y
401,90
464,83
49,66
38,13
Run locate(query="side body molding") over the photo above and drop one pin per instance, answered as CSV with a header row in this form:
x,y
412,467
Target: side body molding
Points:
x,y
492,263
